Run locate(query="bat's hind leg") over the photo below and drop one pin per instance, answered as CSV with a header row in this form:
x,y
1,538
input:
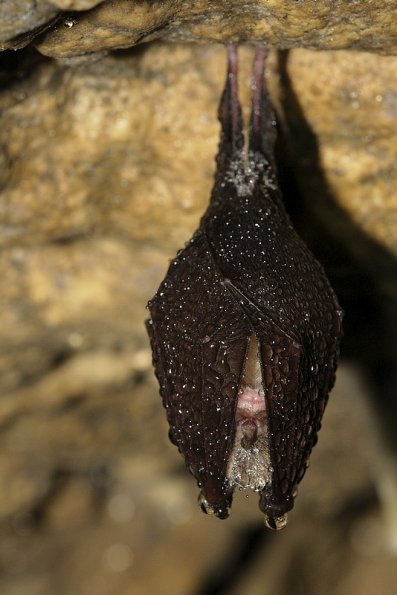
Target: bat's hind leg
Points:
x,y
262,130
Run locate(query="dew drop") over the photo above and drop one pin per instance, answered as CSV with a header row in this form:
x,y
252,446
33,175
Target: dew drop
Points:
x,y
276,523
69,22
205,505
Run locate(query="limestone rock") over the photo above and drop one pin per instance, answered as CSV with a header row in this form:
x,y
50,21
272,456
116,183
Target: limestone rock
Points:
x,y
81,211
74,4
113,24
345,156
20,16
22,20
285,24
81,146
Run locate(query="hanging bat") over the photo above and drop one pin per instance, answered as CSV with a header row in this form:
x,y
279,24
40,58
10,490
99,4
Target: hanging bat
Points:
x,y
245,327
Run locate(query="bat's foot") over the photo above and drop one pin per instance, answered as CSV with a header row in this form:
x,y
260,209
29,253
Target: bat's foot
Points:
x,y
258,85
233,107
262,122
262,131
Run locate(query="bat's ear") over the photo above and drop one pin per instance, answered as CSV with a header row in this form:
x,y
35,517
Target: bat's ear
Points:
x,y
229,112
262,135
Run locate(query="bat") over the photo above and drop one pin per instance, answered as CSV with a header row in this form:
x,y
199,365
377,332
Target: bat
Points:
x,y
245,327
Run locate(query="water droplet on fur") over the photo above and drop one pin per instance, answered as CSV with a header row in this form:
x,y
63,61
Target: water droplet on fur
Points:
x,y
205,505
276,523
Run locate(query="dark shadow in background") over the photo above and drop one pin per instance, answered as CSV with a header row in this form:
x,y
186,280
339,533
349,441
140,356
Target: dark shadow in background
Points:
x,y
237,562
17,66
362,272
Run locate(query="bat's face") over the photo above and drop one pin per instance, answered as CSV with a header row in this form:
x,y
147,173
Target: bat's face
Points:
x,y
245,331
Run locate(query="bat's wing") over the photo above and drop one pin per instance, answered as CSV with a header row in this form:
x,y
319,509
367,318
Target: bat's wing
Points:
x,y
281,356
199,337
297,377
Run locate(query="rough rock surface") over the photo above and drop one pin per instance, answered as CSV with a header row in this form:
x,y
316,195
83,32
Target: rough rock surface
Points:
x,y
23,16
19,16
111,24
346,152
105,170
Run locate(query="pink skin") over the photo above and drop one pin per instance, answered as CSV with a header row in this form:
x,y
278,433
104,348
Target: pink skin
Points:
x,y
251,407
250,416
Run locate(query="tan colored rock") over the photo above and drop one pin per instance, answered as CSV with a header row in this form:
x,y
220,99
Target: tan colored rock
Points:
x,y
89,148
74,4
22,20
284,24
115,24
81,211
20,16
347,102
